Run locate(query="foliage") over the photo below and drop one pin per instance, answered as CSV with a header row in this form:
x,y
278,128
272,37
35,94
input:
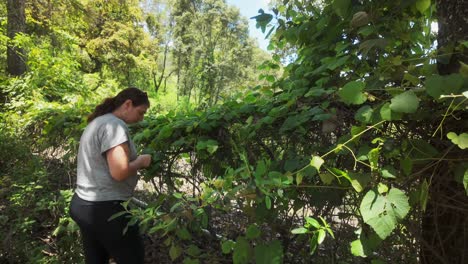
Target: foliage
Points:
x,y
350,133
212,51
31,208
338,154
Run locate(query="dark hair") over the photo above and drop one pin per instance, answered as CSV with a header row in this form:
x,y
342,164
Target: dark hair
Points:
x,y
137,96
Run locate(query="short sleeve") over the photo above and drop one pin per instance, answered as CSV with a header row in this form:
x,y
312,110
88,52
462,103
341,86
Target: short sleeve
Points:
x,y
112,134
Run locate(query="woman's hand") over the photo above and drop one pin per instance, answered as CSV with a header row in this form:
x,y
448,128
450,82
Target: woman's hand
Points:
x,y
119,165
144,160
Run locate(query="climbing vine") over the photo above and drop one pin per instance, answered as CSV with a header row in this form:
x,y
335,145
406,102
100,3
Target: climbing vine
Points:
x,y
339,152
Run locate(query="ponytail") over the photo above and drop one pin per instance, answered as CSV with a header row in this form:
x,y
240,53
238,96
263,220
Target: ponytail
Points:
x,y
105,107
137,96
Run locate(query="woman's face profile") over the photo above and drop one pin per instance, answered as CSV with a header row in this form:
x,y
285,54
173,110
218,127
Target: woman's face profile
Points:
x,y
136,114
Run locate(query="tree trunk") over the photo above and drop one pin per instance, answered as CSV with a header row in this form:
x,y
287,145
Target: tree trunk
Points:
x,y
445,222
453,28
16,24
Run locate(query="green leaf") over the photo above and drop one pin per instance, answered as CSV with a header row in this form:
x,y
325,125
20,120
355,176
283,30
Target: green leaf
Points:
x,y
165,132
399,202
422,5
191,261
406,165
241,251
321,236
460,140
316,162
175,252
465,181
369,44
337,62
373,156
357,249
252,232
327,178
313,243
359,180
178,195
406,102
356,130
270,253
227,246
299,178
209,145
299,230
383,212
366,30
312,222
364,114
389,172
352,93
268,202
183,234
437,85
262,20
382,188
117,215
387,114
193,250
424,194
341,7
365,244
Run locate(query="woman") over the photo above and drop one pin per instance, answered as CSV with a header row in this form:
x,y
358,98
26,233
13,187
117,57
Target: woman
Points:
x,y
107,175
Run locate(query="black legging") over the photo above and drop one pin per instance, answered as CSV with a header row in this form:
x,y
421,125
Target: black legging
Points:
x,y
102,238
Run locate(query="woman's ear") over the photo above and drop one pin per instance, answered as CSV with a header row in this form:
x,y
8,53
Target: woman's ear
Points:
x,y
128,103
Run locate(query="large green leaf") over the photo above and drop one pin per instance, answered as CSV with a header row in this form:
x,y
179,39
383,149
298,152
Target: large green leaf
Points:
x,y
271,253
437,85
406,102
382,212
352,93
241,251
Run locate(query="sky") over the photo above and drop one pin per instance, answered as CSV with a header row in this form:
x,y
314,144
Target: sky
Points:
x,y
248,9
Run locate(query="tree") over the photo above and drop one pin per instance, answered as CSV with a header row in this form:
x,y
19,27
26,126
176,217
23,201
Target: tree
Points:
x,y
117,43
212,50
16,59
445,227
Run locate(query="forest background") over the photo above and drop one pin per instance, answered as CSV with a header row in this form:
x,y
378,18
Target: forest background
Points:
x,y
346,144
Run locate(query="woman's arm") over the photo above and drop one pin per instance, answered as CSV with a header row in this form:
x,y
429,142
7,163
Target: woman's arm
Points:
x,y
119,165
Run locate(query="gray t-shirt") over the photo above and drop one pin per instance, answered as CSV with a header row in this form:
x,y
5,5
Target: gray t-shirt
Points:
x,y
94,181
